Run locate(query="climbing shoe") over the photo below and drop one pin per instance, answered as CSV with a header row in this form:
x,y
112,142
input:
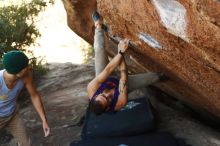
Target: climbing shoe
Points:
x,y
95,16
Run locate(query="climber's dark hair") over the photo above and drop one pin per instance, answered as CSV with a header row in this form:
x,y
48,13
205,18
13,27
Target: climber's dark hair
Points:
x,y
96,107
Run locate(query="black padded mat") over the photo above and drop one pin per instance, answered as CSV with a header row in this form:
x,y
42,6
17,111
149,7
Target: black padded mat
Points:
x,y
136,118
156,139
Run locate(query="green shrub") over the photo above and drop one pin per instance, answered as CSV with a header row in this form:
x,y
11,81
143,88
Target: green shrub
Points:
x,y
17,26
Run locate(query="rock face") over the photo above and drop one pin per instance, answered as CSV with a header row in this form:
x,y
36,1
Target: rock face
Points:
x,y
78,13
180,38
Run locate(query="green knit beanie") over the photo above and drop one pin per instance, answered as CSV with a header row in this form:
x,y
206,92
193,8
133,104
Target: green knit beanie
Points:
x,y
15,61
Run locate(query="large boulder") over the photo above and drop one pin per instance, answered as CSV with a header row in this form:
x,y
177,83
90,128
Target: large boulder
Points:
x,y
180,38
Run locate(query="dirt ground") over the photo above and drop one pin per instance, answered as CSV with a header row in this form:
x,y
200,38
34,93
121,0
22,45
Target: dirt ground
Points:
x,y
63,90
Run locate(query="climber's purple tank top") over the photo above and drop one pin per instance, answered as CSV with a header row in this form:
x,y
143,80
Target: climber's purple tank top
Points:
x,y
110,83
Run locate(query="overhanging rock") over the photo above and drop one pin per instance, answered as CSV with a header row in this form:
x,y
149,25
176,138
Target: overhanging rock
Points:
x,y
180,38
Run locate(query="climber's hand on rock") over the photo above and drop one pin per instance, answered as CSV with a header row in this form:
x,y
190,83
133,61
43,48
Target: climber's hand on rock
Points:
x,y
123,45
